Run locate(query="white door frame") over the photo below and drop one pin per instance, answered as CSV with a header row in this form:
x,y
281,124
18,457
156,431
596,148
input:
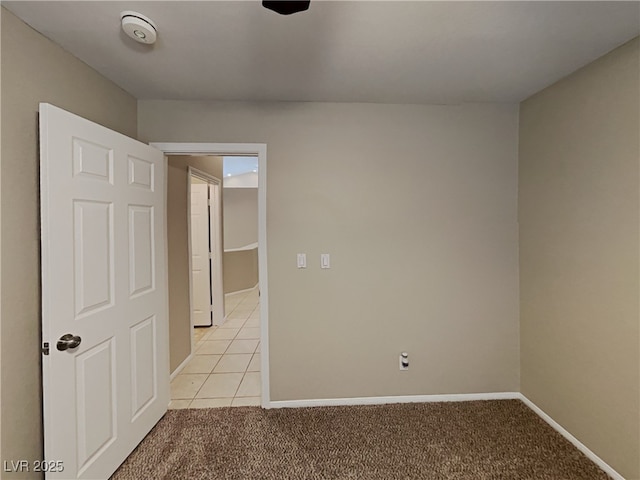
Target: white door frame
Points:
x,y
215,218
253,149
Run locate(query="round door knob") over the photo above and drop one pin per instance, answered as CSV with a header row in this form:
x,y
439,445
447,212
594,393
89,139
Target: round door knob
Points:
x,y
68,341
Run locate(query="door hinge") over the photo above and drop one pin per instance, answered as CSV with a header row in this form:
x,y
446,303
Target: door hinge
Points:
x,y
210,255
209,202
45,348
211,308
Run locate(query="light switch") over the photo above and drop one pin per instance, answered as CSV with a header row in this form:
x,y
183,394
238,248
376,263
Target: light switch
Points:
x,y
302,260
325,260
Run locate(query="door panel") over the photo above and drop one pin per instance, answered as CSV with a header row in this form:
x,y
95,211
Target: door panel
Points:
x,y
93,256
141,249
143,360
200,255
96,388
141,173
103,280
91,160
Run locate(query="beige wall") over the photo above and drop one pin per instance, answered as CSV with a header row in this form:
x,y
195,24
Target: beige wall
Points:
x,y
240,230
35,70
416,205
240,217
240,270
178,248
579,238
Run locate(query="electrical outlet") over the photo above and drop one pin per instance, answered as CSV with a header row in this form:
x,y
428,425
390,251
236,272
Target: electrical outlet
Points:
x,y
403,361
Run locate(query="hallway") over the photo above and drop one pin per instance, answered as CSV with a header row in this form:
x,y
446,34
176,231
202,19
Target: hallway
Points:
x,y
225,370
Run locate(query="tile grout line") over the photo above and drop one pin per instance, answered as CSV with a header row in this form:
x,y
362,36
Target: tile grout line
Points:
x,y
245,370
236,392
244,375
210,373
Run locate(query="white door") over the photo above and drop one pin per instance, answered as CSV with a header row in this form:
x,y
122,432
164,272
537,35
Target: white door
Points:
x,y
200,276
103,285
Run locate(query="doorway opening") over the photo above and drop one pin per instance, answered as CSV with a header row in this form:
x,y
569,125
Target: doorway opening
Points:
x,y
226,350
210,375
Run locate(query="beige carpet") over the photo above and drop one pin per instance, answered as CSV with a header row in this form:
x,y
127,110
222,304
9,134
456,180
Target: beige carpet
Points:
x,y
490,440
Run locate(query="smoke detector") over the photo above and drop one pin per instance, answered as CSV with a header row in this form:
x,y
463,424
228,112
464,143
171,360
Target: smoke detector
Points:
x,y
140,28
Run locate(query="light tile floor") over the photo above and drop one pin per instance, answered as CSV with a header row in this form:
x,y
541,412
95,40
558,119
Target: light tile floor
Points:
x,y
225,370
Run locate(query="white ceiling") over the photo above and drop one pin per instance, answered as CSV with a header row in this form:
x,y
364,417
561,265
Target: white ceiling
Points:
x,y
390,52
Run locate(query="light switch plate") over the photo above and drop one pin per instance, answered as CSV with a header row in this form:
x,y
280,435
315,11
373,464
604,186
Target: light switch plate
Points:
x,y
302,260
325,260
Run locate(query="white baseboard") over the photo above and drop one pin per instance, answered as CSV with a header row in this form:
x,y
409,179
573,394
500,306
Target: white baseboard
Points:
x,y
242,291
180,367
577,443
326,402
